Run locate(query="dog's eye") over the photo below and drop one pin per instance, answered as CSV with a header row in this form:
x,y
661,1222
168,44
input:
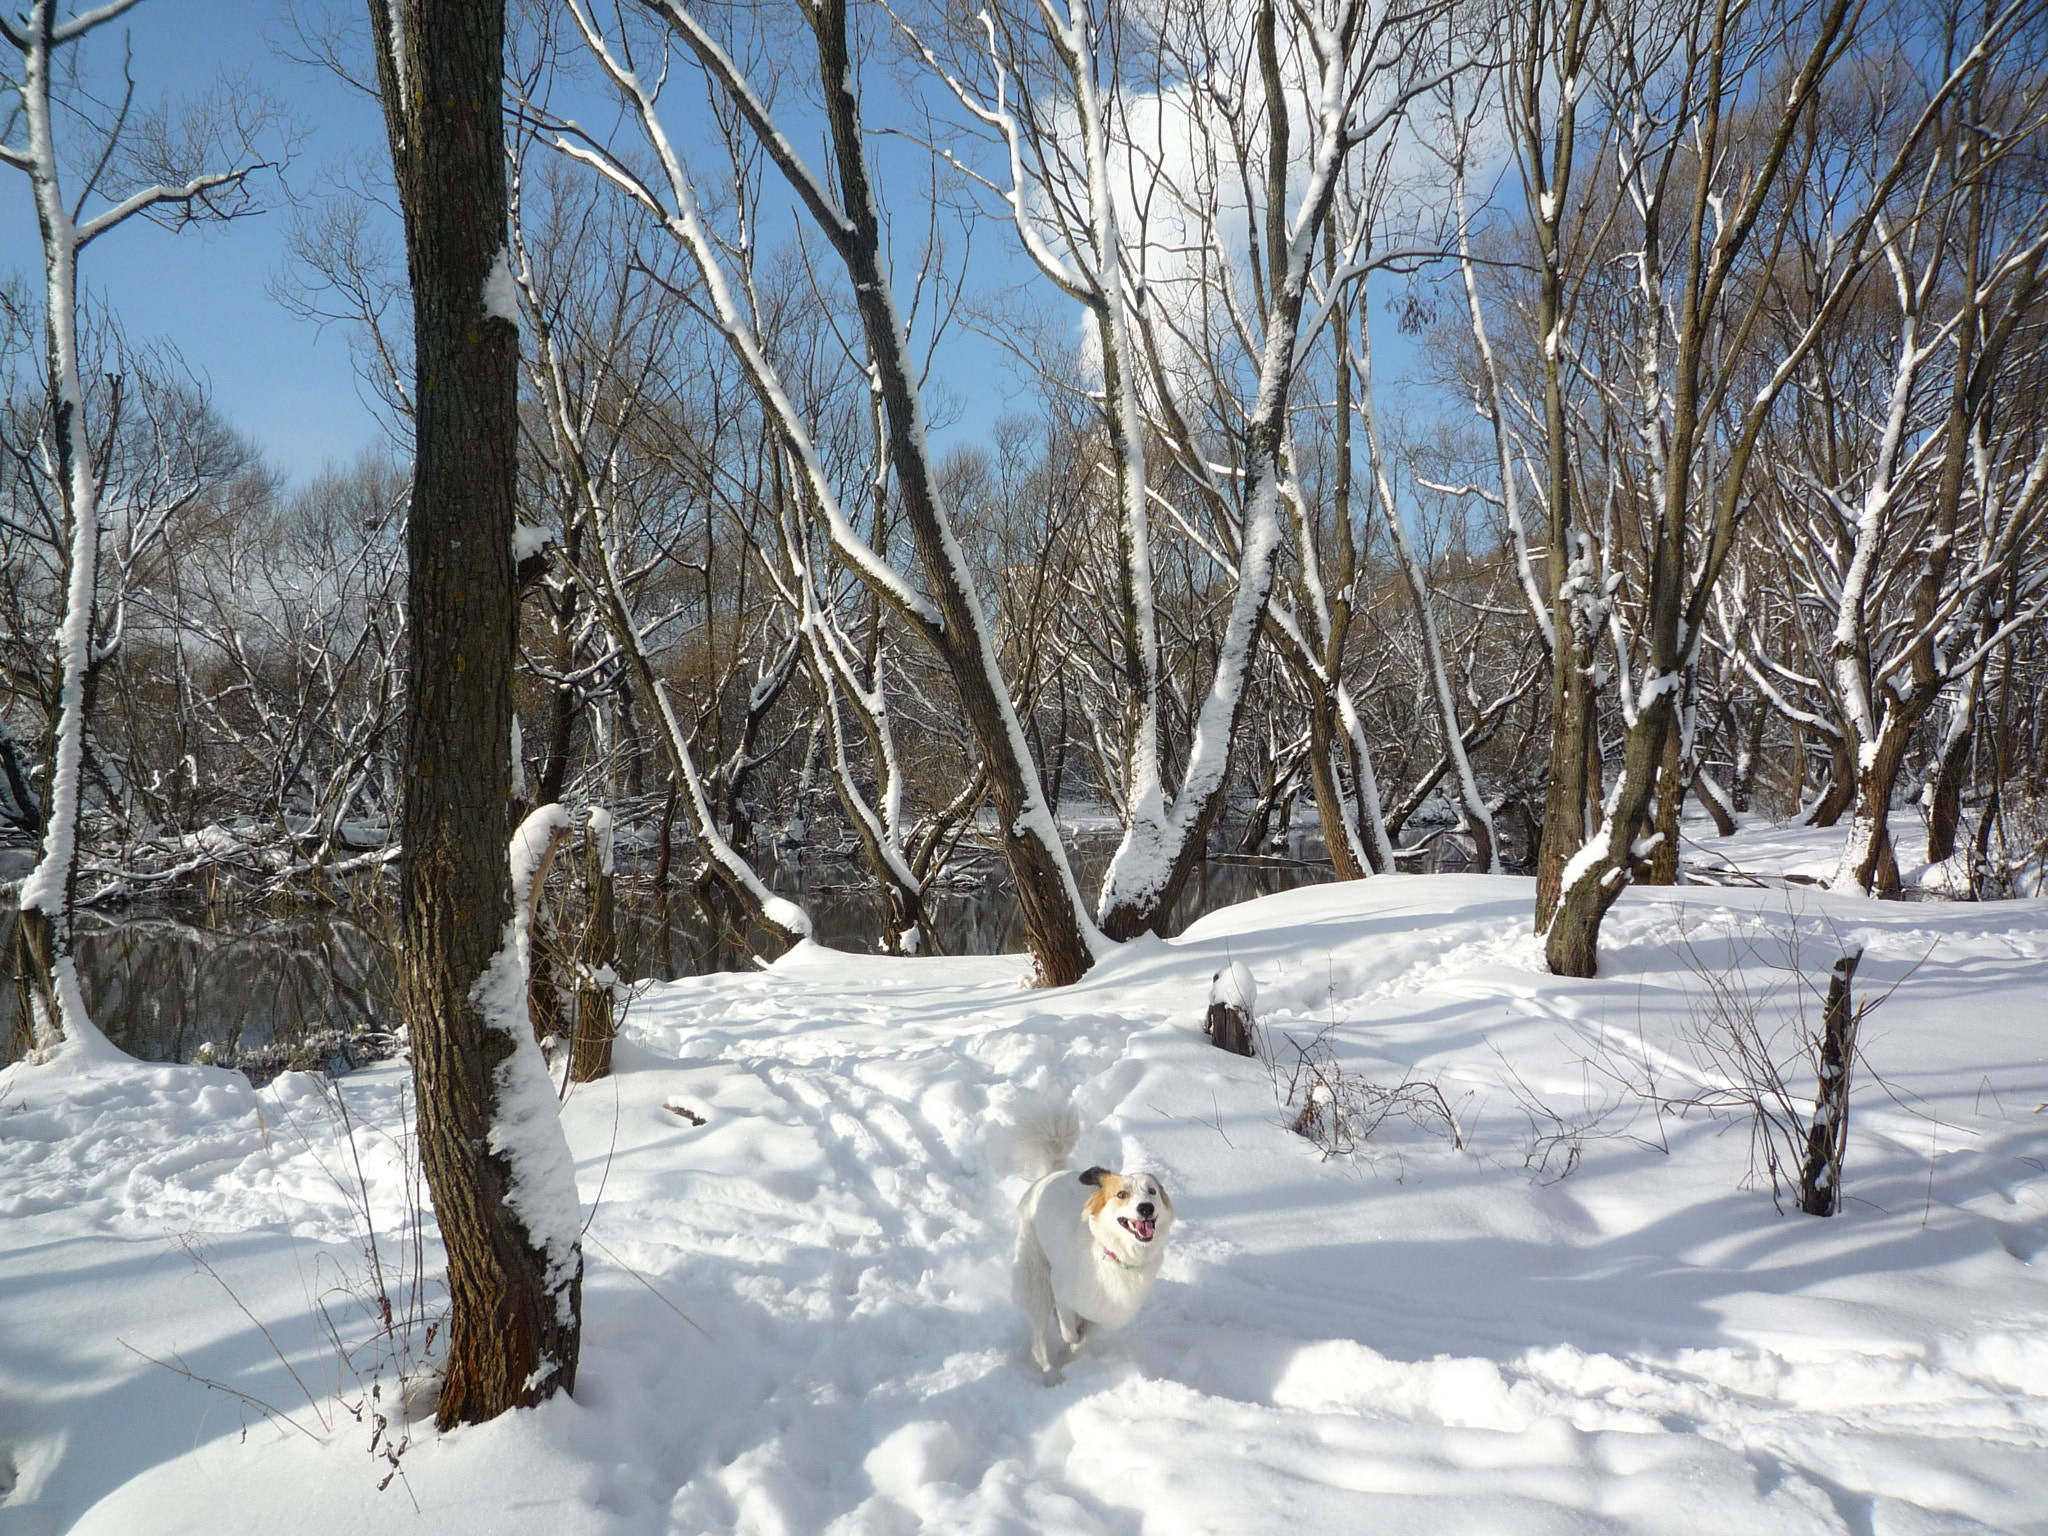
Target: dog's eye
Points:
x,y
1123,1194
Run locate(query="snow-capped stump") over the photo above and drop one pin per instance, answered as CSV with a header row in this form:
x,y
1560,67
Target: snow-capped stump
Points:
x,y
1233,999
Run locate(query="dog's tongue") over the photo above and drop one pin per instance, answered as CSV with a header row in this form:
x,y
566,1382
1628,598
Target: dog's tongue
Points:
x,y
1143,1227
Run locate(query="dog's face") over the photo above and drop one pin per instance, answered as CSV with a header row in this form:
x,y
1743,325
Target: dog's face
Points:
x,y
1130,1213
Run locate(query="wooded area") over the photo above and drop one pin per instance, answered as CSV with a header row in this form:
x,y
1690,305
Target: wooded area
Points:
x,y
1475,431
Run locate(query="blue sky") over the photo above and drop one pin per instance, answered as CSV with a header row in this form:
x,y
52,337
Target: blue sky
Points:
x,y
285,383
280,381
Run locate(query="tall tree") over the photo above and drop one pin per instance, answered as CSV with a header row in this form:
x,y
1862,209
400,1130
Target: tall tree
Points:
x,y
949,614
141,164
503,1185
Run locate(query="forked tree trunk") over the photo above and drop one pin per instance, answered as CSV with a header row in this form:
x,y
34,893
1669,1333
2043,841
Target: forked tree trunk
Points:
x,y
514,1323
1574,729
1869,861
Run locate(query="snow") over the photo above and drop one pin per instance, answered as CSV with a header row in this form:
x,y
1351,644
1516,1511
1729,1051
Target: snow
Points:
x,y
541,1189
1789,852
797,1313
1235,987
598,822
528,541
500,297
1593,852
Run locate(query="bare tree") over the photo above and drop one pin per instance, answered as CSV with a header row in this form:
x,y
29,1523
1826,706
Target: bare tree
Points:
x,y
1199,332
1706,190
949,616
141,165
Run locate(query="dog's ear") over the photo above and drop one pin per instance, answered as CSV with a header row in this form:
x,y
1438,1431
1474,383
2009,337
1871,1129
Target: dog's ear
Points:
x,y
1093,1175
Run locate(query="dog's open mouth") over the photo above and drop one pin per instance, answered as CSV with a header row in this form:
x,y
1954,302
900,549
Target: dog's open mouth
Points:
x,y
1140,1227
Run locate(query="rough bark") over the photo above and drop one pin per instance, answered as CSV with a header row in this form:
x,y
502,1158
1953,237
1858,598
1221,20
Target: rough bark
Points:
x,y
1840,792
512,1339
1870,861
1671,786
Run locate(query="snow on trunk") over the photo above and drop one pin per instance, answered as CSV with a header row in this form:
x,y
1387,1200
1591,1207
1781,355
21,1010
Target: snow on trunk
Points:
x,y
60,1017
527,1130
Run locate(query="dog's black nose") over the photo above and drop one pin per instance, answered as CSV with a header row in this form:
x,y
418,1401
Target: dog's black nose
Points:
x,y
1145,1209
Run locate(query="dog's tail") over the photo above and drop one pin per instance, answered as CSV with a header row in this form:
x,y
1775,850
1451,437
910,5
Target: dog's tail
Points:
x,y
1044,1139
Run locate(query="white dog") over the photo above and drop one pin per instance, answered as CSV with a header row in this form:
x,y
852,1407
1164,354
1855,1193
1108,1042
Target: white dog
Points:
x,y
1089,1245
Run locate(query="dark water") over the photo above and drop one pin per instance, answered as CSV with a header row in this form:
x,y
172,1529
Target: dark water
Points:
x,y
166,982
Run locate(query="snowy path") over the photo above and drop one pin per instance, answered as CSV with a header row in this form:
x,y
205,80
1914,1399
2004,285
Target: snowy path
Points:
x,y
798,1312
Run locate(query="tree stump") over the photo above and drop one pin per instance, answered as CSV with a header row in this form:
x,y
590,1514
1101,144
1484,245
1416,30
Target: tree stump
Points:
x,y
1827,1138
1233,996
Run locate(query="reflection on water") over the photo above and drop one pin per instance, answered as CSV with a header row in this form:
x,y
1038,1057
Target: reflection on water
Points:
x,y
165,982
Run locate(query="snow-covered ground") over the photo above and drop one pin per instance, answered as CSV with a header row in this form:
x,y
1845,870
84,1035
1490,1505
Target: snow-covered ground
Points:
x,y
797,1312
1767,849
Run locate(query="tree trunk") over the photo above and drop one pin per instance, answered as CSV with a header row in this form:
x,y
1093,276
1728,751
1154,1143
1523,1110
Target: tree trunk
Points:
x,y
1751,751
1951,766
1869,862
1057,929
1574,735
1572,945
1338,833
590,1055
1710,797
35,1019
514,1323
1841,790
545,962
1663,861
53,1003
